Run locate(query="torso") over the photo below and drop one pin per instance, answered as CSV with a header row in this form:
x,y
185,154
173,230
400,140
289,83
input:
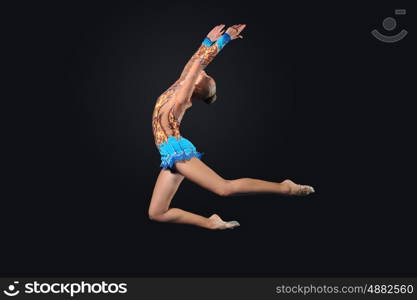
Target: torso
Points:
x,y
167,115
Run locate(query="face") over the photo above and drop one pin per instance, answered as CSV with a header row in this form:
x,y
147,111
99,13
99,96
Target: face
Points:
x,y
205,87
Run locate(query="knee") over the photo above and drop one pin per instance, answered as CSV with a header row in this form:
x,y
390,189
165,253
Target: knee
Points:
x,y
225,189
155,215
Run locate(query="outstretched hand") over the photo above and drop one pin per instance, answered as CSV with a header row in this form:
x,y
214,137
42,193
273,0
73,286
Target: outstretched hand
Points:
x,y
216,33
235,30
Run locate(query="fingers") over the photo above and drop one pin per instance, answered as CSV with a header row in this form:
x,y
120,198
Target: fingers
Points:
x,y
219,30
236,27
239,28
216,32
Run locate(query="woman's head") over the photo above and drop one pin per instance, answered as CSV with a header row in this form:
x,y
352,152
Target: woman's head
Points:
x,y
205,88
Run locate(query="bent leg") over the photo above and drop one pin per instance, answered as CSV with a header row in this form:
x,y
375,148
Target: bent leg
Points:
x,y
198,172
165,188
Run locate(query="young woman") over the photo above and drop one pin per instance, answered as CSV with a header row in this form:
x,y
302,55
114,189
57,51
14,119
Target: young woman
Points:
x,y
180,158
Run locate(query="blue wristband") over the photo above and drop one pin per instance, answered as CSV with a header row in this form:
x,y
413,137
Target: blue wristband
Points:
x,y
223,40
207,42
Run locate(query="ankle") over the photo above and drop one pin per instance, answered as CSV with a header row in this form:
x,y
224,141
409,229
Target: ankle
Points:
x,y
286,186
210,224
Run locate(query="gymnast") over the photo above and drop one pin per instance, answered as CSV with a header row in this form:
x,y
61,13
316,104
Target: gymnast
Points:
x,y
180,158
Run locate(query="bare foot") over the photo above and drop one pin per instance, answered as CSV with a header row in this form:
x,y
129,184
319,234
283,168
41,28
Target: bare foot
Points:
x,y
217,223
298,189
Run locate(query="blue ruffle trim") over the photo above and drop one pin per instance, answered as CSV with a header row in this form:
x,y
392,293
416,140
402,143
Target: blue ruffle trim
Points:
x,y
170,160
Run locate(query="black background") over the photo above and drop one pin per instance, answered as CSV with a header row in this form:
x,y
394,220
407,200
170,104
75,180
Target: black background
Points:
x,y
308,94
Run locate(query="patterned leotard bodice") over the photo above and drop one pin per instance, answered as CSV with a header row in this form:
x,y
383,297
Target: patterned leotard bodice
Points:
x,y
165,122
167,114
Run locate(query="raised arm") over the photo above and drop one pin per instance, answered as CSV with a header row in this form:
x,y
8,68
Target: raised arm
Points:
x,y
210,39
211,46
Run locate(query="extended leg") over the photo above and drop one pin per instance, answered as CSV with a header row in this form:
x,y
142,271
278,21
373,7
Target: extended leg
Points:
x,y
198,172
165,188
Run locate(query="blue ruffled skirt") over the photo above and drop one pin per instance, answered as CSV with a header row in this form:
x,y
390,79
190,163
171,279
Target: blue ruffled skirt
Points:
x,y
174,150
